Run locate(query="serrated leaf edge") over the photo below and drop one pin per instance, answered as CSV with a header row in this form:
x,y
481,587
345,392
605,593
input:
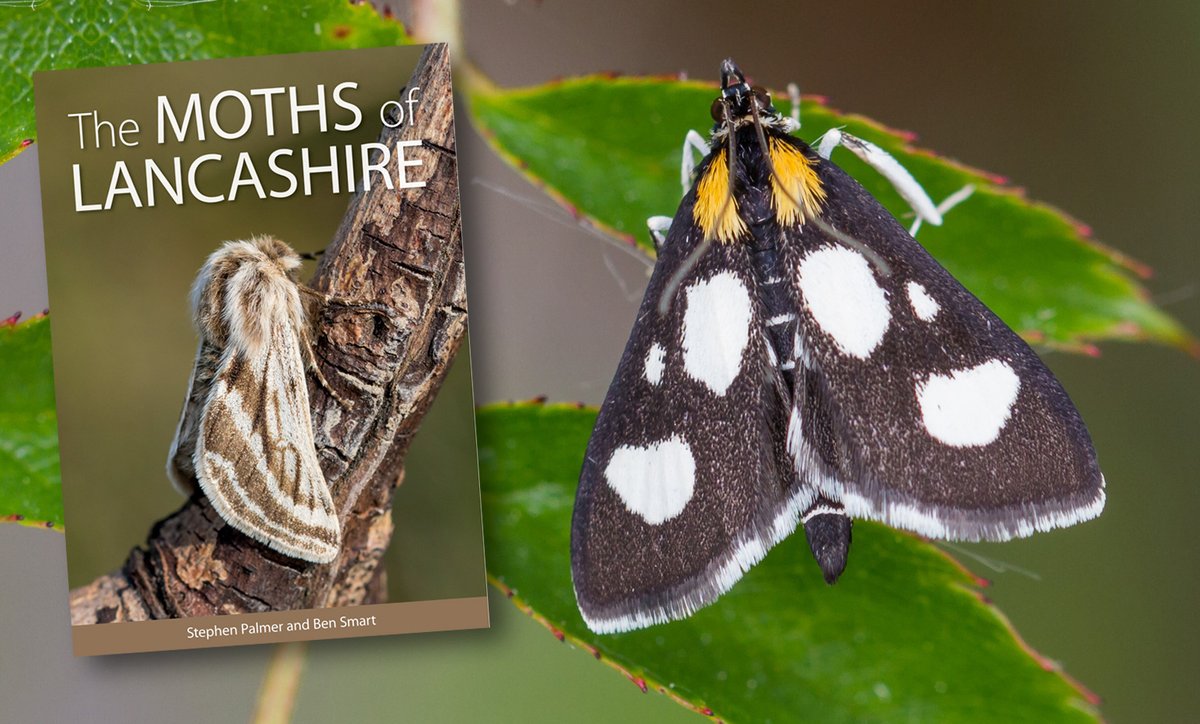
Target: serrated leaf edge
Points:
x,y
477,85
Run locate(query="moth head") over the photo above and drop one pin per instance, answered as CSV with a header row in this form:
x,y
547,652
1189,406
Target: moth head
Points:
x,y
739,102
278,253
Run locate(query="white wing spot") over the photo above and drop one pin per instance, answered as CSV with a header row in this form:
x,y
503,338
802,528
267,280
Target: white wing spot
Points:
x,y
843,297
654,482
716,330
970,406
925,306
655,363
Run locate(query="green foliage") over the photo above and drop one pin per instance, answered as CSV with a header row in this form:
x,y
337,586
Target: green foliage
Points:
x,y
125,32
609,149
781,645
30,482
903,636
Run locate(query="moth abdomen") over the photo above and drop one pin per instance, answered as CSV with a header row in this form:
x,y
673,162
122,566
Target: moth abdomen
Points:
x,y
827,529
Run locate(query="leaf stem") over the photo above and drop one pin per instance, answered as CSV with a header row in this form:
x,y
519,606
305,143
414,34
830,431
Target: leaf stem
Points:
x,y
277,695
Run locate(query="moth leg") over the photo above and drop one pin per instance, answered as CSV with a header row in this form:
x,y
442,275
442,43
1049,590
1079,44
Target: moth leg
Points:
x,y
827,528
324,301
883,162
377,308
948,203
659,226
310,360
310,356
827,142
794,96
692,142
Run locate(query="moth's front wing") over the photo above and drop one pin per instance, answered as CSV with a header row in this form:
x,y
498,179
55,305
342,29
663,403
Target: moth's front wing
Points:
x,y
943,420
254,456
686,481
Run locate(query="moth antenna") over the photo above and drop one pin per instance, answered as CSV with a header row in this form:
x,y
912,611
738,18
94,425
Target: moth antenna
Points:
x,y
877,261
881,266
311,255
995,564
664,301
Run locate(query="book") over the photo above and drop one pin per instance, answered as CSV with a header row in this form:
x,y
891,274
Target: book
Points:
x,y
258,309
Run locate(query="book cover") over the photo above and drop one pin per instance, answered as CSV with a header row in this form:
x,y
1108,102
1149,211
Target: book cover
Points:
x,y
259,312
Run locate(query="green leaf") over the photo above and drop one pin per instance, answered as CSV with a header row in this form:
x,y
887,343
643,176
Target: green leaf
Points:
x,y
30,482
609,149
126,32
782,645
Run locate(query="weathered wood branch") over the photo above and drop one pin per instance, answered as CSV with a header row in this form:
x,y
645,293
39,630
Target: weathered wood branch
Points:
x,y
401,249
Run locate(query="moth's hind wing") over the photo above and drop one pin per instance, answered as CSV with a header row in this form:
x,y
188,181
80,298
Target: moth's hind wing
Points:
x,y
254,456
180,468
938,417
686,482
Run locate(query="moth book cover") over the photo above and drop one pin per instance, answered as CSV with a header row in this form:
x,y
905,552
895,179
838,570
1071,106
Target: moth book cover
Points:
x,y
259,320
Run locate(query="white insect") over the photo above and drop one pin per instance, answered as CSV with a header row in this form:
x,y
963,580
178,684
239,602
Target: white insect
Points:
x,y
245,435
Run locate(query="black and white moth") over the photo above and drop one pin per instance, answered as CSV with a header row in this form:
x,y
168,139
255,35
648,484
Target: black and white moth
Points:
x,y
799,358
245,435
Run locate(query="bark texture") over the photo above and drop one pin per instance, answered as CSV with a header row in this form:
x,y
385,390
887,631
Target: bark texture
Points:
x,y
399,249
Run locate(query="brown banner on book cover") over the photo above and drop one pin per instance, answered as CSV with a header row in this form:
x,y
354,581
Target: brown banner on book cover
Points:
x,y
279,626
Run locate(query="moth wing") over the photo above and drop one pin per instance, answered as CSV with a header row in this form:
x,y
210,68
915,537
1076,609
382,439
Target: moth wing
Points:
x,y
254,455
180,468
686,481
919,407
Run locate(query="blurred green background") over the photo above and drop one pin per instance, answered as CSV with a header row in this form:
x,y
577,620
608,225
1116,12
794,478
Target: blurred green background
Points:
x,y
1089,105
118,282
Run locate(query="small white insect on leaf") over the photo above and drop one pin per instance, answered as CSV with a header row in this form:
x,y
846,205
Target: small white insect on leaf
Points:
x,y
245,436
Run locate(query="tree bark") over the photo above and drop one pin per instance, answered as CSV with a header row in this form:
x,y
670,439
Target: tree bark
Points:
x,y
398,248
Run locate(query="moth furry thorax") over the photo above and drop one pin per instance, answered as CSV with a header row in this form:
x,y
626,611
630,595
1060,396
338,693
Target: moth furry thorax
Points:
x,y
242,288
245,436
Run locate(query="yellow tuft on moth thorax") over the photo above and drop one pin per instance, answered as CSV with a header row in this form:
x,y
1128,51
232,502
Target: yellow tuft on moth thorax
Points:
x,y
715,209
801,194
